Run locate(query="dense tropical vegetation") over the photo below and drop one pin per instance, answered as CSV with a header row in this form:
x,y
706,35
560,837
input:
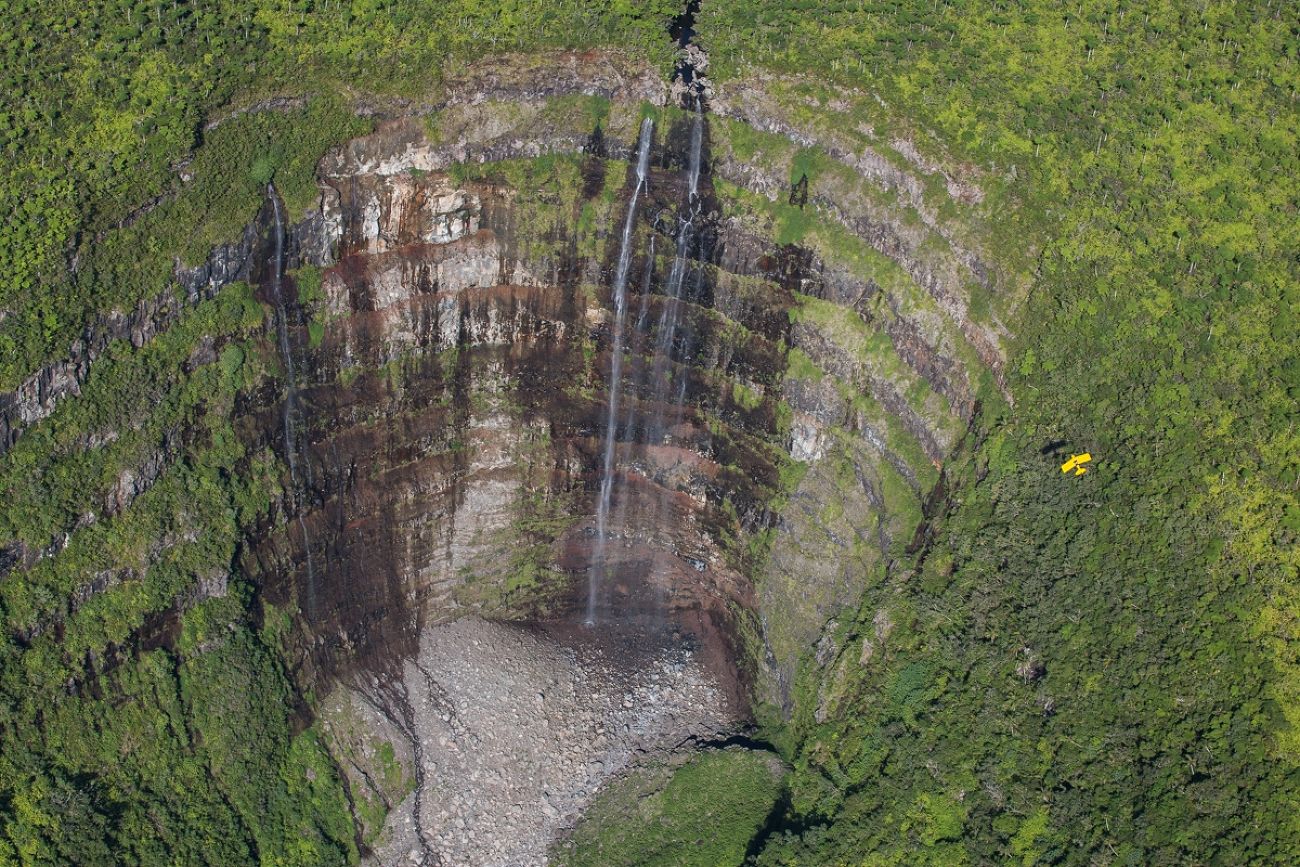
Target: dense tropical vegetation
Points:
x,y
699,815
1100,669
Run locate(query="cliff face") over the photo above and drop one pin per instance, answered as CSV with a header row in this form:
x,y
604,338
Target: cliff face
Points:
x,y
451,406
452,368
794,328
454,373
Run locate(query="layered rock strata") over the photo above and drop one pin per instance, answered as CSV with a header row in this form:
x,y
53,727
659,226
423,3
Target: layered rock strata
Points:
x,y
452,373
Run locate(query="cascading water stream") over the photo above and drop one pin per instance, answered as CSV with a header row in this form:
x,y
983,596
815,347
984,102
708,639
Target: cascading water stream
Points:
x,y
651,352
619,291
645,288
638,331
291,393
697,146
666,334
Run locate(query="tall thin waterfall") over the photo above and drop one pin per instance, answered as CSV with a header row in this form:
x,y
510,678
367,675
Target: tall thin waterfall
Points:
x,y
616,372
291,393
697,145
666,334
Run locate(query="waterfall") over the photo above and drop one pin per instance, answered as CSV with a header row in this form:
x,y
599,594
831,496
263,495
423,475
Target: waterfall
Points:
x,y
619,292
670,315
291,393
638,349
697,145
645,290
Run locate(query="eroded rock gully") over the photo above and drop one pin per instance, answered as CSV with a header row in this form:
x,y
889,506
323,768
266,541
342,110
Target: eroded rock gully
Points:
x,y
449,413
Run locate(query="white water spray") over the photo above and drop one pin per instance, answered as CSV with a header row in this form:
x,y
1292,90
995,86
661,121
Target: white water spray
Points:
x,y
666,334
616,371
697,145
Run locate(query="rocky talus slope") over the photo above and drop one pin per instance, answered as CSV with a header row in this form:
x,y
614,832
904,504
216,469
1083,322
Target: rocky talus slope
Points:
x,y
512,730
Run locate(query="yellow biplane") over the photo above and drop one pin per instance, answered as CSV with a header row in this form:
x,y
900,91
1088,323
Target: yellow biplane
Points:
x,y
1076,463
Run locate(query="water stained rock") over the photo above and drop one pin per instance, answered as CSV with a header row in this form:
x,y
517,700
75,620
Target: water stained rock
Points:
x,y
550,406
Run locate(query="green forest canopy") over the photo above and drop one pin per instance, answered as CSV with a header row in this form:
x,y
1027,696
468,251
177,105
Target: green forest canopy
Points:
x,y
1098,671
1156,147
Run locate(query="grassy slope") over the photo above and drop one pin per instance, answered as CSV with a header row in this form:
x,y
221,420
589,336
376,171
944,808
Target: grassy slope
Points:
x,y
1100,669
702,814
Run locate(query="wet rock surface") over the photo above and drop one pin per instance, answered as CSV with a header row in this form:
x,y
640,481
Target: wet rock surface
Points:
x,y
510,730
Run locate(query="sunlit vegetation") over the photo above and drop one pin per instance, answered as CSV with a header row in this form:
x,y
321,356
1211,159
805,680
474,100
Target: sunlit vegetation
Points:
x,y
1087,670
1096,669
701,814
